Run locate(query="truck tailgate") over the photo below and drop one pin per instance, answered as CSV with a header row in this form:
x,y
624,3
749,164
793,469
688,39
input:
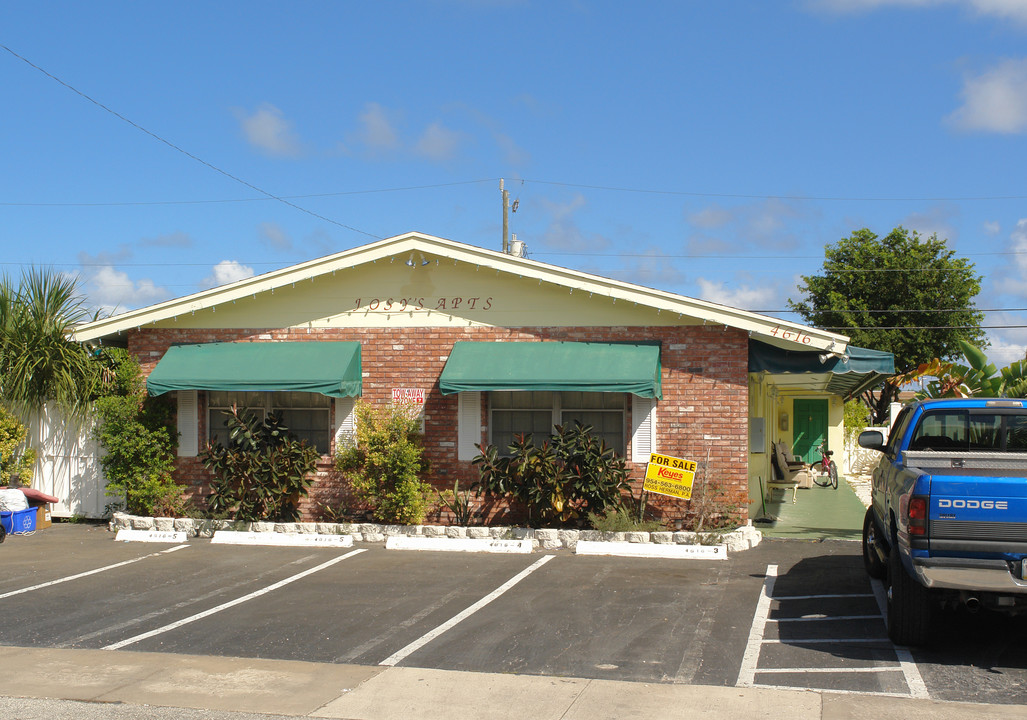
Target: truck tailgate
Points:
x,y
978,514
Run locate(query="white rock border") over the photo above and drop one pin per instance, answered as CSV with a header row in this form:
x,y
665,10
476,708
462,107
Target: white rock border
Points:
x,y
743,538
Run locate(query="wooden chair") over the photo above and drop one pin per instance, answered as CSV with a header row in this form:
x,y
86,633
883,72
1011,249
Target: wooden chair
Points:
x,y
789,471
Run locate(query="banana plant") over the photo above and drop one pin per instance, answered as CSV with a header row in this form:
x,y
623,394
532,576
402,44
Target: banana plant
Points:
x,y
978,378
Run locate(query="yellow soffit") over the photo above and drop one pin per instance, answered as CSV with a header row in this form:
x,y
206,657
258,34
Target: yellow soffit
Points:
x,y
439,250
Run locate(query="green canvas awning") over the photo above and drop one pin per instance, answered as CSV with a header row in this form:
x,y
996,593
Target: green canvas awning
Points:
x,y
329,368
847,375
582,366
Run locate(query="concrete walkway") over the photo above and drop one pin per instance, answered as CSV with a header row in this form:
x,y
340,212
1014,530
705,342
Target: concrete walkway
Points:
x,y
817,513
140,685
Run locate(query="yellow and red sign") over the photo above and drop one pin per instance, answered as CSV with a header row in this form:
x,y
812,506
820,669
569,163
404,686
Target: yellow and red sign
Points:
x,y
665,475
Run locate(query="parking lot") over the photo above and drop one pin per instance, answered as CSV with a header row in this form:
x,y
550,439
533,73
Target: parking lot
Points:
x,y
790,613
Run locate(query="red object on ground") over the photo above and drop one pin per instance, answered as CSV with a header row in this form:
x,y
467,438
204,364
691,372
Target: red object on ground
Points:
x,y
37,496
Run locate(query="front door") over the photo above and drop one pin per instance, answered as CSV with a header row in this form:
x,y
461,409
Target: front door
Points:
x,y
810,428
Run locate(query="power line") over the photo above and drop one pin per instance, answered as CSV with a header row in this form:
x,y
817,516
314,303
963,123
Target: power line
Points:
x,y
844,328
188,154
740,196
905,310
226,201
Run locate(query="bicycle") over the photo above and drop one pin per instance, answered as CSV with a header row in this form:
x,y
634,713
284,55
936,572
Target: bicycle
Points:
x,y
825,471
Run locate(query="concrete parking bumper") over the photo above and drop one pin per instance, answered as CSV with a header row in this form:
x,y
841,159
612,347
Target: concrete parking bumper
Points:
x,y
291,688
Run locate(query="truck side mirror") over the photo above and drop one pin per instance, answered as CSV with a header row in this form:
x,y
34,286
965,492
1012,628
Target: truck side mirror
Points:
x,y
871,440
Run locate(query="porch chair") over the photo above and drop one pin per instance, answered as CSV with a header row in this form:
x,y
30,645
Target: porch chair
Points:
x,y
789,471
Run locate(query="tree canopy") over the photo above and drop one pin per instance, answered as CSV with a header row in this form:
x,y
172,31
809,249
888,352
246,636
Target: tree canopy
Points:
x,y
905,294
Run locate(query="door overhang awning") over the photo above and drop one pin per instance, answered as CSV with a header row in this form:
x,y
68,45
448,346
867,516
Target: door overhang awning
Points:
x,y
328,368
560,366
849,374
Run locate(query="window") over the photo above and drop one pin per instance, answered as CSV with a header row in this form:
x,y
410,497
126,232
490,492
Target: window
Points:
x,y
307,415
898,431
970,430
536,413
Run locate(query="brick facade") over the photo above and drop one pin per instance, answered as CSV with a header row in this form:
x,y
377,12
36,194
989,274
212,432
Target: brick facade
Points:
x,y
703,412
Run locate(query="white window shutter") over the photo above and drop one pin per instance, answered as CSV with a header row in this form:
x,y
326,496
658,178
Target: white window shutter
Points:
x,y
643,428
468,424
188,424
345,421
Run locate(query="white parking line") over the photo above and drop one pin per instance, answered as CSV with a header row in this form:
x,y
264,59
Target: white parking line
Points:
x,y
399,655
747,673
232,603
824,618
89,572
914,681
761,618
771,671
824,641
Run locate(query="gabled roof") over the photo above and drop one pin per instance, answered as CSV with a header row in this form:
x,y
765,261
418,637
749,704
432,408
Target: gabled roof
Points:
x,y
434,249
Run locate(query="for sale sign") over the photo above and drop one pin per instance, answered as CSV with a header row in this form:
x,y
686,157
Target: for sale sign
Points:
x,y
665,475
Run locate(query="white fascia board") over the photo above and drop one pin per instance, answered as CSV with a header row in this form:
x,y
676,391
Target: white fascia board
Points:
x,y
782,332
437,249
233,291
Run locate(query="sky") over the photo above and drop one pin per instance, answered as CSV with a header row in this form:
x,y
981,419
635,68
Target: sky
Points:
x,y
711,149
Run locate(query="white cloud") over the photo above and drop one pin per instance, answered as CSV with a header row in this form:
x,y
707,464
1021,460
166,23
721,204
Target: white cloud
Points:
x,y
1005,9
743,296
513,153
438,143
377,131
936,221
563,232
1012,279
227,271
651,269
995,100
766,224
992,227
1018,244
171,240
275,236
1006,346
112,290
714,216
269,131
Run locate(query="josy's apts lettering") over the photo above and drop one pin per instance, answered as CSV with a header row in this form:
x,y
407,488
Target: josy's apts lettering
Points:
x,y
419,303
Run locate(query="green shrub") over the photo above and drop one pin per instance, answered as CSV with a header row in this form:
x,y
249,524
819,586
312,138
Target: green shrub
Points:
x,y
16,458
385,463
139,440
458,503
622,519
263,472
558,482
856,418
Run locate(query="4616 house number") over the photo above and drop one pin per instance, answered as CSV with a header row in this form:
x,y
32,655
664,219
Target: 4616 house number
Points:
x,y
442,303
791,335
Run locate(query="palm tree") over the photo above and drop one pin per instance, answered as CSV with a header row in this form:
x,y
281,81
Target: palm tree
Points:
x,y
38,361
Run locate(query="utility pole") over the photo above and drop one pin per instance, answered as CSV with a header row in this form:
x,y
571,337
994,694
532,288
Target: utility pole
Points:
x,y
506,218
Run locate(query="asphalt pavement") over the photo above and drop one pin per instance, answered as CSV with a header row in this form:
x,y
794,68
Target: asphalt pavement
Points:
x,y
92,628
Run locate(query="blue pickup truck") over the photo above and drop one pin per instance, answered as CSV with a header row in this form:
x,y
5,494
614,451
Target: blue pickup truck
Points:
x,y
947,524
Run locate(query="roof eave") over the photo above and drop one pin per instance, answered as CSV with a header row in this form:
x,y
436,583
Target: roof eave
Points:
x,y
713,313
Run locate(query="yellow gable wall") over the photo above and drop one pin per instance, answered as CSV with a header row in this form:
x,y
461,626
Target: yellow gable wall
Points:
x,y
390,293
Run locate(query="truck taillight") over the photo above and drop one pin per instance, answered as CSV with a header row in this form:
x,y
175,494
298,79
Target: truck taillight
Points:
x,y
917,513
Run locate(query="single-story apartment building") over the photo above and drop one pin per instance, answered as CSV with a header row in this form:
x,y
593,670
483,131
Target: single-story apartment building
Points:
x,y
492,345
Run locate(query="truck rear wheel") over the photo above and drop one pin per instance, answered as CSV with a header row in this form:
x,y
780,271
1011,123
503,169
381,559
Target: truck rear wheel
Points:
x,y
909,604
875,566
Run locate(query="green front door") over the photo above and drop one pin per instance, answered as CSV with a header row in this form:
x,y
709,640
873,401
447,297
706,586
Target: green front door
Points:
x,y
810,428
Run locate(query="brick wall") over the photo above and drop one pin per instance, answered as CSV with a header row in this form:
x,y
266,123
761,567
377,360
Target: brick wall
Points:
x,y
703,413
